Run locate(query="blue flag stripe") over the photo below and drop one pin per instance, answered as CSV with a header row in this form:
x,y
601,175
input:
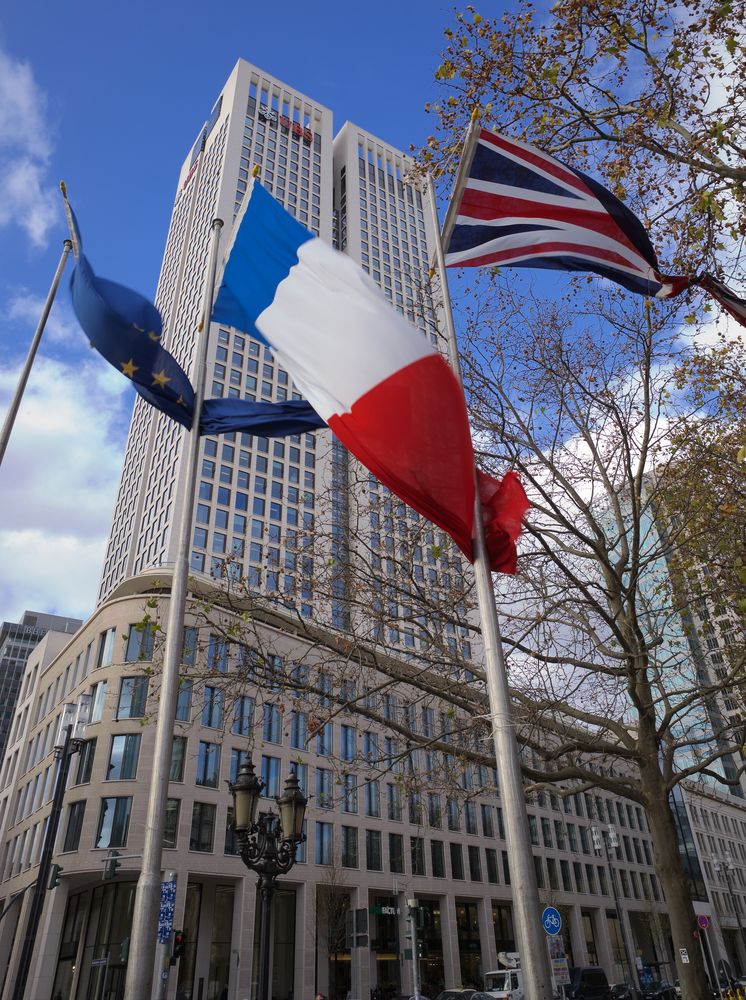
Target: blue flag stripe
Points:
x,y
472,237
488,164
264,249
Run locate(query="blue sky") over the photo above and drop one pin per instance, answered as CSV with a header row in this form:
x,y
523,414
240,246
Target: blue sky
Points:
x,y
109,97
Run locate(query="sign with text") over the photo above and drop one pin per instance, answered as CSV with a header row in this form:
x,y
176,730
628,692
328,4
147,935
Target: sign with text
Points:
x,y
166,912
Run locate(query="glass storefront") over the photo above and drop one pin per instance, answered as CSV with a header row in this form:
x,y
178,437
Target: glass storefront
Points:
x,y
502,918
104,961
219,975
72,930
190,927
590,937
432,972
467,926
385,946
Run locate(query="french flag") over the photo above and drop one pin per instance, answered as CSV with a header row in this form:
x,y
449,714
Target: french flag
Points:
x,y
385,392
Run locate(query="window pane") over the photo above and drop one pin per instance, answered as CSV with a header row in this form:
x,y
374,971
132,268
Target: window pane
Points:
x,y
113,822
270,776
373,850
243,716
132,698
74,826
98,697
178,755
396,853
203,827
171,832
212,708
184,703
125,751
323,843
208,764
140,642
85,763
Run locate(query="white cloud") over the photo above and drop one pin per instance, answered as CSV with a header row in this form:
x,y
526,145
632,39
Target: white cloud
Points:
x,y
710,332
27,198
58,482
61,328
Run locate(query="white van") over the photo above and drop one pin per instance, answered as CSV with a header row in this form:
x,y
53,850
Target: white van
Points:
x,y
504,984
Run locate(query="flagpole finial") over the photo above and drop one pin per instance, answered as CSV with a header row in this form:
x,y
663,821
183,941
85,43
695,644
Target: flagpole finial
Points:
x,y
475,113
255,171
71,223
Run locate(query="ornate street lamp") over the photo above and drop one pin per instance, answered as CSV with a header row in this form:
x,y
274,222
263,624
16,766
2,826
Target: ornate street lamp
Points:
x,y
70,738
267,845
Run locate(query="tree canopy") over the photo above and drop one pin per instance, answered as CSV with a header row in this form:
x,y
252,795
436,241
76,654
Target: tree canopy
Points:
x,y
649,97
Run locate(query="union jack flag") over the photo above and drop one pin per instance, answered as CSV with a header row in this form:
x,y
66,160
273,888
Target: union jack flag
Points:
x,y
732,303
515,205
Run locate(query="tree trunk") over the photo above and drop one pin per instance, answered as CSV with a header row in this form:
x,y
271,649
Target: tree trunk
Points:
x,y
668,864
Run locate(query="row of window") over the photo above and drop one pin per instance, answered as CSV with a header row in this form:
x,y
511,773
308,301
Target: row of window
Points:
x,y
114,819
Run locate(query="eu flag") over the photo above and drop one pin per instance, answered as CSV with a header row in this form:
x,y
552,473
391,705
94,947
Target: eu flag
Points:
x,y
126,329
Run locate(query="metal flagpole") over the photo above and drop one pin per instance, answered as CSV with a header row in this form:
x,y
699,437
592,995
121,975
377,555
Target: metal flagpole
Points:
x,y
531,935
26,371
145,915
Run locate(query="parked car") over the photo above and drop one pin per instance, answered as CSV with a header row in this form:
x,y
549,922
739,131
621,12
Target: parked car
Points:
x,y
623,991
658,989
457,993
588,982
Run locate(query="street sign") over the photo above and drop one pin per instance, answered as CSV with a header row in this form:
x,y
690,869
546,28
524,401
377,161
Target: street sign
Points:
x,y
558,960
684,956
551,920
560,972
703,921
166,912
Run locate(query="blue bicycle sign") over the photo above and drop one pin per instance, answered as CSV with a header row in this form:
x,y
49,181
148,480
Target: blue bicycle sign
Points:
x,y
551,920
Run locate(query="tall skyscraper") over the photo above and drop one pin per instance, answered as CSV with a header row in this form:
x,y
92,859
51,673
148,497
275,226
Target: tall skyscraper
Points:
x,y
17,639
294,518
249,490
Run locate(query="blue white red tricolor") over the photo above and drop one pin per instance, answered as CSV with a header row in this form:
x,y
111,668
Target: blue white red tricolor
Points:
x,y
385,392
517,206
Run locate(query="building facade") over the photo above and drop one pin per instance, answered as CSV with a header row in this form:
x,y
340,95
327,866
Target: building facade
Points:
x,y
388,819
17,639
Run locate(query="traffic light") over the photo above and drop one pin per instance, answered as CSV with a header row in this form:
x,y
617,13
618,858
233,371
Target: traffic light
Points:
x,y
179,946
54,876
111,864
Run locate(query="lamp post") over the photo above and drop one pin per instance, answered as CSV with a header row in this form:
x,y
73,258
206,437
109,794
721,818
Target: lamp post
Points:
x,y
605,839
70,737
267,845
725,867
